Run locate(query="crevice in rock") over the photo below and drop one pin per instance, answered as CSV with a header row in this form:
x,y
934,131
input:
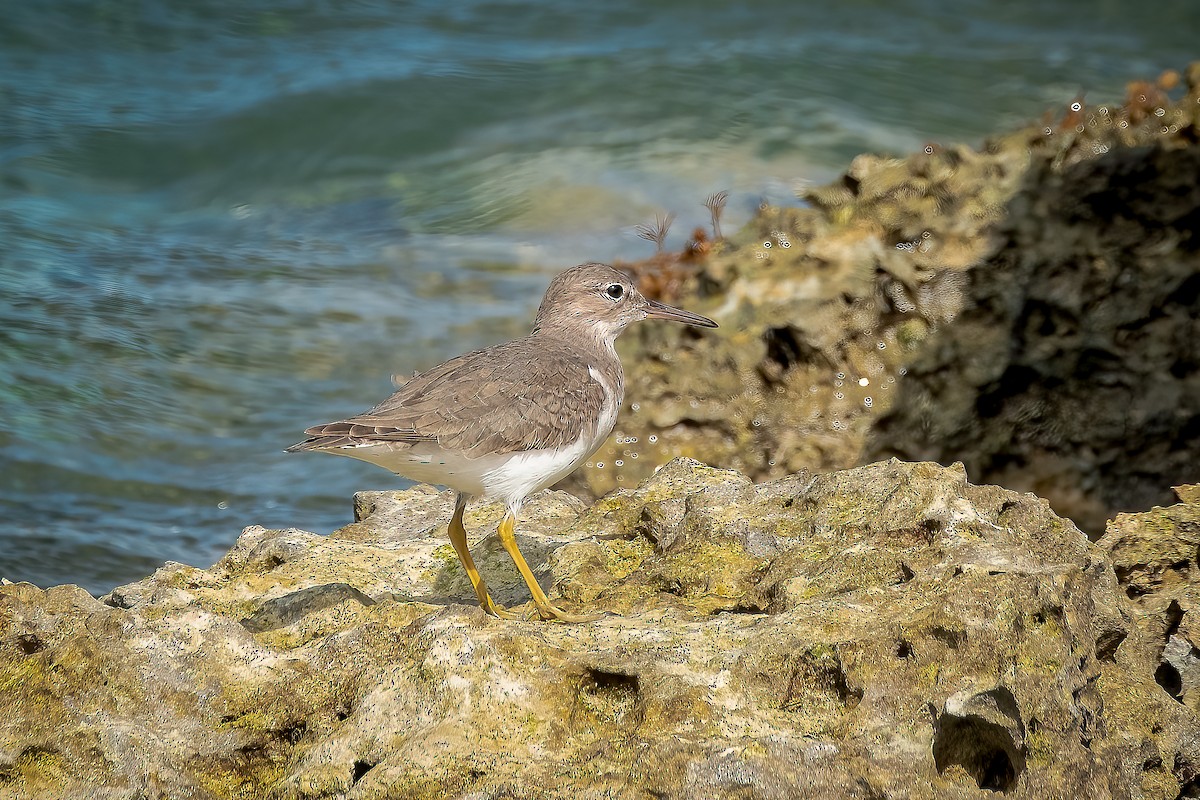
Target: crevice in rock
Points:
x,y
906,573
1048,614
1107,644
673,586
609,696
1189,790
1174,617
904,649
360,769
740,607
951,638
1086,715
1015,380
1169,679
1098,365
785,349
292,733
984,749
1132,590
1167,674
1188,776
1186,294
343,712
271,562
29,643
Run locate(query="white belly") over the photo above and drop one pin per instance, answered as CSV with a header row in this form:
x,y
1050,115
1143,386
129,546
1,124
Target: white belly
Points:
x,y
509,477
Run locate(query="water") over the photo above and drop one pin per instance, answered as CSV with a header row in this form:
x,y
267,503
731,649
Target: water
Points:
x,y
222,222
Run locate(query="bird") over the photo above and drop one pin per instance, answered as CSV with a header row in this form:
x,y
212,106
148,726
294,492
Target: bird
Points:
x,y
504,422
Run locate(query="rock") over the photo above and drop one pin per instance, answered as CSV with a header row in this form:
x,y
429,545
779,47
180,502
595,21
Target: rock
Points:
x,y
1155,557
1030,308
1077,374
889,631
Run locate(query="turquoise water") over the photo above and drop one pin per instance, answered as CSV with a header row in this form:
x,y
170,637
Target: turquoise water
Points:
x,y
222,222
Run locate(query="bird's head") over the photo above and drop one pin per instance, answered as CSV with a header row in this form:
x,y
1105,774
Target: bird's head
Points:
x,y
598,300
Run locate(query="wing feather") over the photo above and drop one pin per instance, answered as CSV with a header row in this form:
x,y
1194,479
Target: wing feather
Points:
x,y
522,395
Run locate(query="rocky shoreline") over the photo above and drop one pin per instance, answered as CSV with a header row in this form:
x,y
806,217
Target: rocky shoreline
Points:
x,y
1030,308
884,631
796,626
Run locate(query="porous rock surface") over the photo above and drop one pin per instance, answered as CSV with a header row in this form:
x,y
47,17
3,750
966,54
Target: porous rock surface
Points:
x,y
1030,307
889,631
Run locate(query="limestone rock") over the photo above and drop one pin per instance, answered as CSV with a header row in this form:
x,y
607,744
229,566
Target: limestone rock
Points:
x,y
1030,307
1076,374
889,631
1155,555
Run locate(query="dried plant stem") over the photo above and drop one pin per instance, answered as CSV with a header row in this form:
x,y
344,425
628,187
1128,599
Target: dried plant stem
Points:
x,y
716,206
657,233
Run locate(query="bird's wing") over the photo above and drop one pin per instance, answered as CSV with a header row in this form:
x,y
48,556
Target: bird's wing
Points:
x,y
515,396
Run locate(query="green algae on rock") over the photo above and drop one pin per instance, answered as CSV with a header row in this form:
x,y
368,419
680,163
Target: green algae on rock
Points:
x,y
885,631
1030,308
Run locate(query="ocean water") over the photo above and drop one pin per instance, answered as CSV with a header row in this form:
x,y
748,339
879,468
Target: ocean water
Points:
x,y
221,222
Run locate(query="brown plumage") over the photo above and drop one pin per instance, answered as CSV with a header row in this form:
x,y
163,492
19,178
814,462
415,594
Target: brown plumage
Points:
x,y
511,419
526,394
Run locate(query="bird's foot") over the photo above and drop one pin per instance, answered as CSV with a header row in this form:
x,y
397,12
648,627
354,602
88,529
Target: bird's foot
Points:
x,y
498,611
548,612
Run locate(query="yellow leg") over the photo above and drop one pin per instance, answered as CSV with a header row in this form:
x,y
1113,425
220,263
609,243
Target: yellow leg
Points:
x,y
458,539
545,609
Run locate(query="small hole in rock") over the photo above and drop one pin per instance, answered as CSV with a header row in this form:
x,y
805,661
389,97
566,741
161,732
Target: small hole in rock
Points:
x,y
786,347
29,644
609,695
951,638
1188,777
1174,615
904,650
1107,644
931,527
292,733
1169,679
983,749
361,768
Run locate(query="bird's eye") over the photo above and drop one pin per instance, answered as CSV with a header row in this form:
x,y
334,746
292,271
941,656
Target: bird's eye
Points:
x,y
615,290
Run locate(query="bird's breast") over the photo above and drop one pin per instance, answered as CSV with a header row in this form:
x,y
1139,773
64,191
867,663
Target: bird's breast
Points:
x,y
607,419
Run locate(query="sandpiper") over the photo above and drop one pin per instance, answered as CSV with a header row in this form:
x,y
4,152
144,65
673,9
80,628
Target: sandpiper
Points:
x,y
509,420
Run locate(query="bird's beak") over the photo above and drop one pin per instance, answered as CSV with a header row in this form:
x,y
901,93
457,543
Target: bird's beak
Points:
x,y
659,310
